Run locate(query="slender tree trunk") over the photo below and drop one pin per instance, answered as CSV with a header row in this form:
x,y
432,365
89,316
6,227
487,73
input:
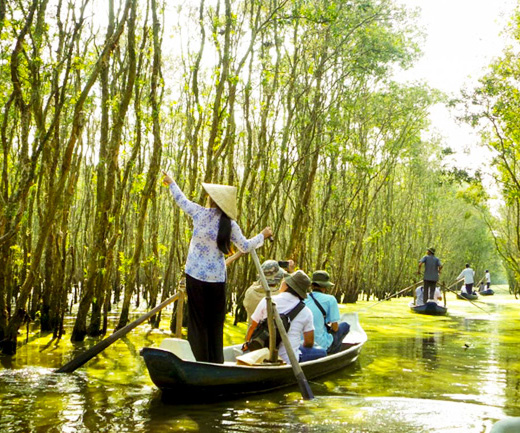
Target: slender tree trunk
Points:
x,y
153,170
9,342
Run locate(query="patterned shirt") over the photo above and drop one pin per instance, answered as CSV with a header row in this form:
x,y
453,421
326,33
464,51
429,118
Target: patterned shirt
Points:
x,y
205,261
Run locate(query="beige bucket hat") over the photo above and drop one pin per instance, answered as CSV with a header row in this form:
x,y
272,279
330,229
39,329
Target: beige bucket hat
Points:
x,y
225,196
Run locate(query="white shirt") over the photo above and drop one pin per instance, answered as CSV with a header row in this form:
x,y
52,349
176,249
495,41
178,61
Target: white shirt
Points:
x,y
488,277
419,296
468,275
205,261
303,322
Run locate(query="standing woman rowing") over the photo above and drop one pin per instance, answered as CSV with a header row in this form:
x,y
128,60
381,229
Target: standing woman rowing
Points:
x,y
214,228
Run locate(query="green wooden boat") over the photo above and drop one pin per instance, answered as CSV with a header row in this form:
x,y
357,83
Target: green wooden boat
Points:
x,y
471,297
175,371
487,292
430,308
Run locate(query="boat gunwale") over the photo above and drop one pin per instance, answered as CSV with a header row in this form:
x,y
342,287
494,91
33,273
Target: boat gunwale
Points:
x,y
356,331
353,347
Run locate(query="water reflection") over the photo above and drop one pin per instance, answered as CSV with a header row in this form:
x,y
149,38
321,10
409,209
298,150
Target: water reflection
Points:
x,y
429,348
326,414
6,361
458,373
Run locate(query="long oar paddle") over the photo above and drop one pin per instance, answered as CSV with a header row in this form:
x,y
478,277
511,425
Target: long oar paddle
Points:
x,y
453,284
478,284
234,257
305,389
82,358
86,356
391,296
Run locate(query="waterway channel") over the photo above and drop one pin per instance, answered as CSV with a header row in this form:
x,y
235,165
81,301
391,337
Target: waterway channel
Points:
x,y
457,373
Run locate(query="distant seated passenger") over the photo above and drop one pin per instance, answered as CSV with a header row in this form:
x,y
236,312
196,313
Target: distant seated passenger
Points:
x,y
419,297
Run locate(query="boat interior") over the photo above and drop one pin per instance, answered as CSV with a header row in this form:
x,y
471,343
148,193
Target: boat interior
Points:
x,y
181,348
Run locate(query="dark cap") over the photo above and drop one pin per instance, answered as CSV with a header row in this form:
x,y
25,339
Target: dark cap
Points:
x,y
322,279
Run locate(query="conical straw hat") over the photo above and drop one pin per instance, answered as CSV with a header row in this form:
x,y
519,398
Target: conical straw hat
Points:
x,y
225,196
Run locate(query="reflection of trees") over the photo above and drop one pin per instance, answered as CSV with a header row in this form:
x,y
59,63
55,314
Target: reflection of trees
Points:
x,y
429,348
512,390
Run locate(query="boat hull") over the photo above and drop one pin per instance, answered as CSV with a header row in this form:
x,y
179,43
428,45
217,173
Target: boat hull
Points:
x,y
430,308
471,297
190,380
487,292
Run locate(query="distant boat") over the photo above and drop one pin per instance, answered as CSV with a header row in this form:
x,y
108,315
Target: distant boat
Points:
x,y
176,372
430,308
487,292
471,297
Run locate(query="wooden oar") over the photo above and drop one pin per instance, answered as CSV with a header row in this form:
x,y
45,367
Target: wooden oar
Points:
x,y
478,284
82,358
389,297
305,389
86,356
453,284
273,349
235,256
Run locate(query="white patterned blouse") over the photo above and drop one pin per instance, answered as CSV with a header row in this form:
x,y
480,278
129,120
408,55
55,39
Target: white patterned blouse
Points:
x,y
205,261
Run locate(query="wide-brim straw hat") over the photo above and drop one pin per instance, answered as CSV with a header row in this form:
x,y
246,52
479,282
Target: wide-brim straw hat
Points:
x,y
299,282
224,196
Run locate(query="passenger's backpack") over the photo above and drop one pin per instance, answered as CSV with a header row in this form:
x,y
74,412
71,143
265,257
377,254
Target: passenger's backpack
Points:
x,y
260,337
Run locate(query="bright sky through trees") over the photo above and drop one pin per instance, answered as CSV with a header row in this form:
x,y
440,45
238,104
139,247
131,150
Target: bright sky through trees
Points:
x,y
462,38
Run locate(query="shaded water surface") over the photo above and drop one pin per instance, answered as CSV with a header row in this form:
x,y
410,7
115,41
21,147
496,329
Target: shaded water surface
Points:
x,y
459,373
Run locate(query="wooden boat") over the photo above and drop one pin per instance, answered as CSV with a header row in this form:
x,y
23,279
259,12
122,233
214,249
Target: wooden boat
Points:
x,y
175,371
430,308
471,297
487,292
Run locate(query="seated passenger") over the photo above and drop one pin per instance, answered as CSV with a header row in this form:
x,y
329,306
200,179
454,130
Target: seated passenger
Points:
x,y
419,297
255,293
328,333
293,290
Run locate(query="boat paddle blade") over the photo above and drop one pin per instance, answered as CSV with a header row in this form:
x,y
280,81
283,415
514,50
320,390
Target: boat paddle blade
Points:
x,y
305,389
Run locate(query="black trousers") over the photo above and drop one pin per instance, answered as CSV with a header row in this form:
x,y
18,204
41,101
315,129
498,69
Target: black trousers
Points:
x,y
429,290
206,314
